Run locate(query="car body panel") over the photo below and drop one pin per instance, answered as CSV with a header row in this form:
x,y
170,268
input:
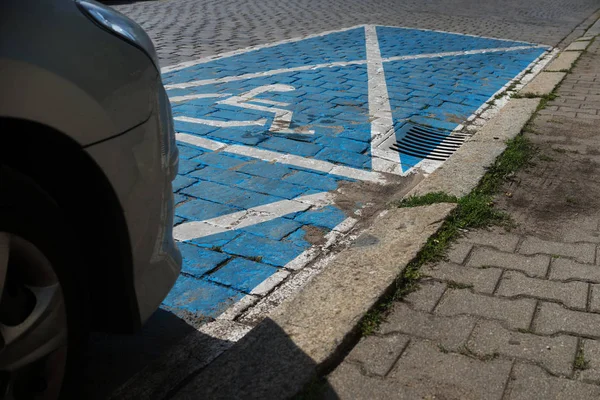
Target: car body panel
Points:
x,y
81,79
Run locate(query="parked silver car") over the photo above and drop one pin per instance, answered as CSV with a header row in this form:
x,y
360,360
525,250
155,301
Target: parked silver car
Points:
x,y
87,156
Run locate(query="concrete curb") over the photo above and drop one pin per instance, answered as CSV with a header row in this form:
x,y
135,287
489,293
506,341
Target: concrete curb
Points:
x,y
306,332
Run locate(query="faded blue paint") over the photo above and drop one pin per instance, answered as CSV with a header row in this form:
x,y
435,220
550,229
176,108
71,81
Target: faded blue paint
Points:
x,y
274,252
333,102
200,298
241,274
198,261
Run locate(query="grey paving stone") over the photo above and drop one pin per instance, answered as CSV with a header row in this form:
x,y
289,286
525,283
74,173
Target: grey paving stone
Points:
x,y
577,46
583,252
459,251
591,354
554,353
515,313
533,266
543,84
571,294
595,299
214,27
496,238
482,279
427,296
530,382
553,318
450,332
563,269
564,61
378,354
448,375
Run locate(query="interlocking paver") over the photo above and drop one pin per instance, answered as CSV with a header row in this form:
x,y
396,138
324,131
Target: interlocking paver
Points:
x,y
376,354
553,318
459,251
591,355
529,382
583,252
571,294
450,332
481,279
556,354
564,269
516,313
426,297
595,298
495,238
532,265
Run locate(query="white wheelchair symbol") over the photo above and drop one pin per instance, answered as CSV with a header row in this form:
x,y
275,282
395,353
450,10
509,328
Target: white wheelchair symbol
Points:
x,y
281,120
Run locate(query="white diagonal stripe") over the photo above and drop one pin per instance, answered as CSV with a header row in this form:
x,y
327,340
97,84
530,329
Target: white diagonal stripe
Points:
x,y
226,79
290,159
252,216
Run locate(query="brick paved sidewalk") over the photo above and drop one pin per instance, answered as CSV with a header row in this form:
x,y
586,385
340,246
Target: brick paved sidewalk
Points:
x,y
509,315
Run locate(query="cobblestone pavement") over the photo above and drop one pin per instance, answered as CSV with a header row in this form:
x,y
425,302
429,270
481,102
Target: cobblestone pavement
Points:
x,y
511,315
187,29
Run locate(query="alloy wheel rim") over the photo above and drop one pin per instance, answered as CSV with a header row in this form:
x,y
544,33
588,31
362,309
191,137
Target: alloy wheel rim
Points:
x,y
33,324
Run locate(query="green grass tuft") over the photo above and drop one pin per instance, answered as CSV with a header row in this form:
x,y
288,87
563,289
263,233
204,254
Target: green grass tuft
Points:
x,y
427,199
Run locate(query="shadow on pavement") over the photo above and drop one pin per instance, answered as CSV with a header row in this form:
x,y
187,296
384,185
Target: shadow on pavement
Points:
x,y
169,359
265,364
113,359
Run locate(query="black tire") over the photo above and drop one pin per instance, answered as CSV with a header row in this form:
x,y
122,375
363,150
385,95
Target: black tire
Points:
x,y
28,212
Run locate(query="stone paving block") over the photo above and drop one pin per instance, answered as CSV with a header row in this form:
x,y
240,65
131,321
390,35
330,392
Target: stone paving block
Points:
x,y
564,61
553,318
533,266
434,374
378,354
530,382
571,294
583,252
516,313
270,251
450,332
481,279
241,274
426,296
543,84
577,46
563,269
595,299
554,353
459,251
591,354
495,238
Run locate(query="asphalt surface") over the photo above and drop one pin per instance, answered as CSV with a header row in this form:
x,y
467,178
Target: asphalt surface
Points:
x,y
187,29
184,30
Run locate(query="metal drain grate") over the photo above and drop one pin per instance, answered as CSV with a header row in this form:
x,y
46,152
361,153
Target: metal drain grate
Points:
x,y
428,143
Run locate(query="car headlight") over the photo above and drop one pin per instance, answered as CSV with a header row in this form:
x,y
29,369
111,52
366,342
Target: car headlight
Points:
x,y
120,25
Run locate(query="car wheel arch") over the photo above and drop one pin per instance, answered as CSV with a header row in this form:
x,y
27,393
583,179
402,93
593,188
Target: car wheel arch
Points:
x,y
64,171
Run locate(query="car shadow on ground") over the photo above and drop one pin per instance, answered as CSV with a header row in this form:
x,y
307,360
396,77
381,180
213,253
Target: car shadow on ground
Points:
x,y
170,359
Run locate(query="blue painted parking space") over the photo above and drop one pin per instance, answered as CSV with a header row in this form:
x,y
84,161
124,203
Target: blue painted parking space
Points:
x,y
266,135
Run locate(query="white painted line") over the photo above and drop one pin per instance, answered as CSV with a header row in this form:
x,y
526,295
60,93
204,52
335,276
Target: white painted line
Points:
x,y
203,60
458,53
221,124
178,99
379,101
204,82
290,159
239,307
200,141
269,284
465,34
234,78
242,219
